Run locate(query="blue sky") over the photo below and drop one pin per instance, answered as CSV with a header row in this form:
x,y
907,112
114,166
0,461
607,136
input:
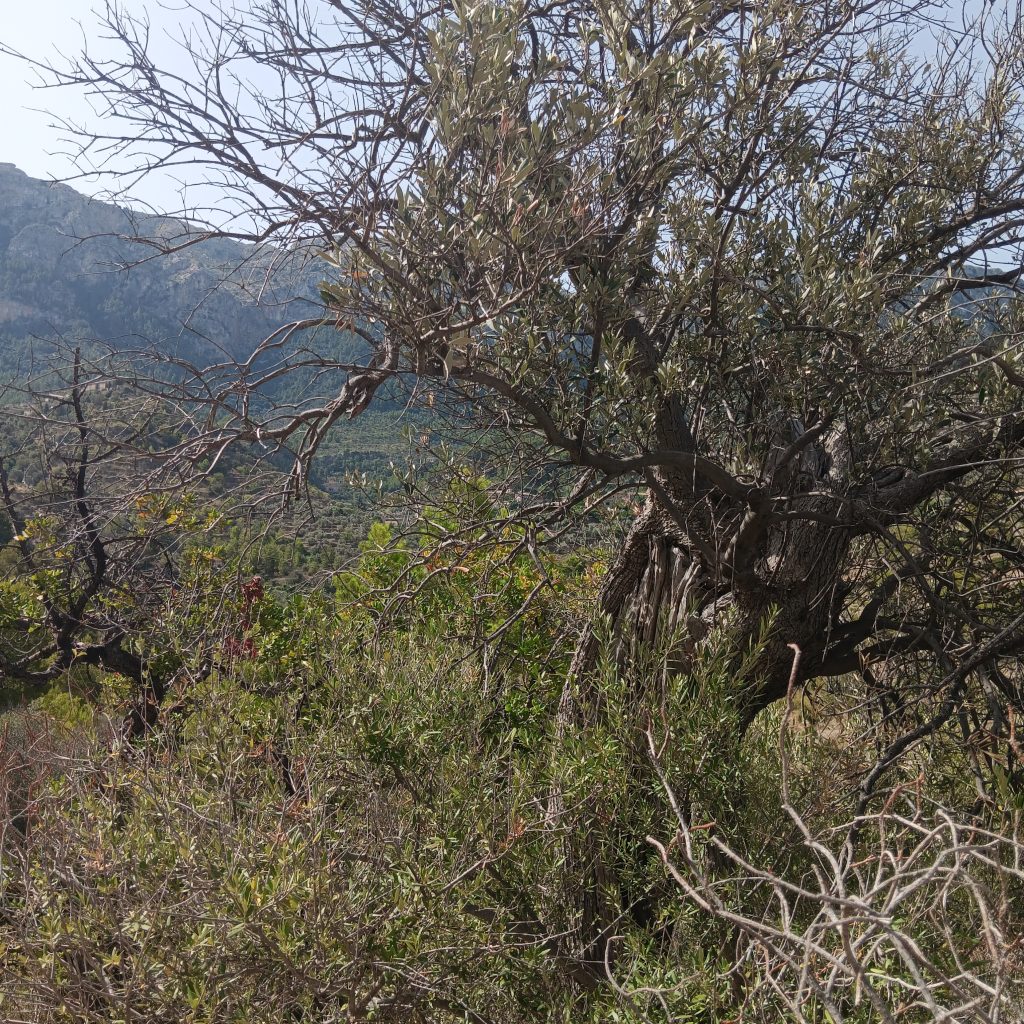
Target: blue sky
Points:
x,y
44,30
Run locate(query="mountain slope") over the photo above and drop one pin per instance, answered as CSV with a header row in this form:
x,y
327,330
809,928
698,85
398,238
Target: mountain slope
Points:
x,y
67,272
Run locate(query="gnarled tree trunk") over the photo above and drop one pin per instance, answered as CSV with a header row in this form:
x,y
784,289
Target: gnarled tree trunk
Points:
x,y
778,581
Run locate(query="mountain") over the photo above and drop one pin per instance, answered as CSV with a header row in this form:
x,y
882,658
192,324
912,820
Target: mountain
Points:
x,y
66,271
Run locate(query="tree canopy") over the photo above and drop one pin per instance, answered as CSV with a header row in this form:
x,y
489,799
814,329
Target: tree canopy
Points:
x,y
759,262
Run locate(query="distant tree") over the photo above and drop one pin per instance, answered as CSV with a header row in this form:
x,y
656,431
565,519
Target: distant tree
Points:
x,y
758,262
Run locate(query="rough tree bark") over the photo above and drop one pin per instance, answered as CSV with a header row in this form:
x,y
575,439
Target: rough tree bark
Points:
x,y
692,562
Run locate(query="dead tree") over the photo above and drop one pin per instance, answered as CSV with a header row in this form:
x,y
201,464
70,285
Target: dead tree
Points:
x,y
88,571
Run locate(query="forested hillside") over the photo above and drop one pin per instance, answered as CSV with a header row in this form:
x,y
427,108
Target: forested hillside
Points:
x,y
79,273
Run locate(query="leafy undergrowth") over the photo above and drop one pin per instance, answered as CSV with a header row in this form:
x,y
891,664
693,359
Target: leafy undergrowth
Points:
x,y
348,816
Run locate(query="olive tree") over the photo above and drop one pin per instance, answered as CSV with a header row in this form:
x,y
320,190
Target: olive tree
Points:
x,y
758,262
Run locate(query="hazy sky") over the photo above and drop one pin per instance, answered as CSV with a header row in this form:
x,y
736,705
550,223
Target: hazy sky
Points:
x,y
38,29
44,30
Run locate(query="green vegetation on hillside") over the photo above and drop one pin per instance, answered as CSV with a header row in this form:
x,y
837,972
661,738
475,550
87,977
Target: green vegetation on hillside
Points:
x,y
639,636
345,817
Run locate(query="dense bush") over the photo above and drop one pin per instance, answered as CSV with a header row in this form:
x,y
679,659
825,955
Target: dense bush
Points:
x,y
349,817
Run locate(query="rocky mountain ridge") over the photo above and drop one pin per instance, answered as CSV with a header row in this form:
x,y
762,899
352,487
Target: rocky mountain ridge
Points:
x,y
69,272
